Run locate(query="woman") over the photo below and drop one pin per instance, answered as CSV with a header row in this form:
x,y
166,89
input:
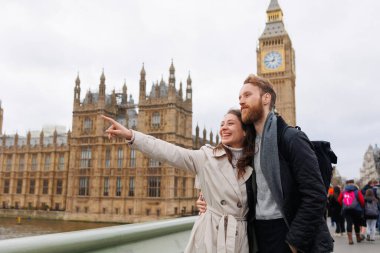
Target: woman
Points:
x,y
335,210
352,202
371,213
222,172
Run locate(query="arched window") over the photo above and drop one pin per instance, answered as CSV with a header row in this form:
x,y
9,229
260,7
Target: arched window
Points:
x,y
47,161
108,158
86,157
118,186
156,119
154,186
87,124
131,191
119,158
132,162
61,162
106,186
84,187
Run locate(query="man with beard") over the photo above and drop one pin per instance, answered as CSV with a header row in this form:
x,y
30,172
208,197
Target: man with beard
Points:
x,y
289,199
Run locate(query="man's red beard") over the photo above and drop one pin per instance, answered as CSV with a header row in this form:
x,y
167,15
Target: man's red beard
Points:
x,y
253,114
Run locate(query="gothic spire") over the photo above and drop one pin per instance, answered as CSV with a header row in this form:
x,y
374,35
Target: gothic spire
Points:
x,y
171,75
125,96
189,89
77,80
102,77
142,72
275,25
273,6
180,90
142,95
102,86
77,91
172,67
125,85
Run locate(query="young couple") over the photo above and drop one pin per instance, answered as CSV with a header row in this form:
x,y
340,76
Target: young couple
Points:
x,y
263,188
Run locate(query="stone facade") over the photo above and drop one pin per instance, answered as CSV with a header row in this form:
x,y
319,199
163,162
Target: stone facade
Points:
x,y
33,171
87,176
371,165
276,62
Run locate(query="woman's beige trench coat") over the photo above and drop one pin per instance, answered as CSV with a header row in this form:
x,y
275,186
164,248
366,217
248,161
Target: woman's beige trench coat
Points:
x,y
223,227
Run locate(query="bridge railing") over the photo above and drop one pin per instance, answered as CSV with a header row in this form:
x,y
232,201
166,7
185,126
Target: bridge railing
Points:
x,y
95,239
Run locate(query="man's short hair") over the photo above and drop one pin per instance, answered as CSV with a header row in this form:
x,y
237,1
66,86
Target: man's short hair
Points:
x,y
264,85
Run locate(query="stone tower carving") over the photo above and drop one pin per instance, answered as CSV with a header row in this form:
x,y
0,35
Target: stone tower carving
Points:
x,y
164,113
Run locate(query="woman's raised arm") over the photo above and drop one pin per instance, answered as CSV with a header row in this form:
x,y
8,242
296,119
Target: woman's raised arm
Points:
x,y
158,149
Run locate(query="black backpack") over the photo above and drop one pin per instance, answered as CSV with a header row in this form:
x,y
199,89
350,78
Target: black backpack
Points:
x,y
326,157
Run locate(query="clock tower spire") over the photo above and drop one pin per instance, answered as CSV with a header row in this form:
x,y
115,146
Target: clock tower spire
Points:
x,y
276,62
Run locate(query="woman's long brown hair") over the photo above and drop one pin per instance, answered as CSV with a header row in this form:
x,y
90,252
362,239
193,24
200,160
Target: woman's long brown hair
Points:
x,y
248,145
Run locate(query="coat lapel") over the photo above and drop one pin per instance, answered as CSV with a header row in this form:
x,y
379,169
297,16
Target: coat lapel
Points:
x,y
228,173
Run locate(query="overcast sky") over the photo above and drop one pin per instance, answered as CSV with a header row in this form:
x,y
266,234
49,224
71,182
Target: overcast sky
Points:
x,y
44,44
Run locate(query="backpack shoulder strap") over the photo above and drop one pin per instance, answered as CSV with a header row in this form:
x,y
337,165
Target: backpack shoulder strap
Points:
x,y
356,194
284,134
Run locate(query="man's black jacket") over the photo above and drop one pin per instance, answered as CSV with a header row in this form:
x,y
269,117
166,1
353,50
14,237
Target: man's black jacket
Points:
x,y
304,194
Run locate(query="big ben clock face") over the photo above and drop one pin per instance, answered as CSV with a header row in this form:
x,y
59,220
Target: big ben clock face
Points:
x,y
273,60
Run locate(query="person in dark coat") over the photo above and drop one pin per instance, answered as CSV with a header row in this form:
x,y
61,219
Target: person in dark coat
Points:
x,y
335,211
369,185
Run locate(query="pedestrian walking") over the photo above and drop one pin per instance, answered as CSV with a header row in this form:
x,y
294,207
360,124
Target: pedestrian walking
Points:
x,y
371,213
376,192
363,224
352,202
335,210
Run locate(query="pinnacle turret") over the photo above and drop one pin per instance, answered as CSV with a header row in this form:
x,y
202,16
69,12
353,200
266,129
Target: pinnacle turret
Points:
x,y
77,80
180,90
189,89
273,6
77,91
274,26
102,87
124,97
171,88
172,67
102,77
142,85
142,72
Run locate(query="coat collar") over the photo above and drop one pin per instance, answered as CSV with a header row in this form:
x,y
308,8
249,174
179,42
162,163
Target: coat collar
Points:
x,y
216,152
228,172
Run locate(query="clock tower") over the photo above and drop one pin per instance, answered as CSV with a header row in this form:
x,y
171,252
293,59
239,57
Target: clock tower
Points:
x,y
276,62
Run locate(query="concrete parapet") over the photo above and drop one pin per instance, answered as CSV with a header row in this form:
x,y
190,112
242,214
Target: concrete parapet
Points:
x,y
95,239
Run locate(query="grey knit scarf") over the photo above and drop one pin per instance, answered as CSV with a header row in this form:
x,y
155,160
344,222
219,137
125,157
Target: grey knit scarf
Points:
x,y
269,159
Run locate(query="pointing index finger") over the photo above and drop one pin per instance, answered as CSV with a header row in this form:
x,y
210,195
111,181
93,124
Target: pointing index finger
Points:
x,y
109,119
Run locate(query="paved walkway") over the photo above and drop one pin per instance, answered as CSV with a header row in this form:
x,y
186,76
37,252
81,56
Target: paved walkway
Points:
x,y
341,245
177,242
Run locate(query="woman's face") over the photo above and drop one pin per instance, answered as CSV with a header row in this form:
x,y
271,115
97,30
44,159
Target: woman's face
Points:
x,y
231,131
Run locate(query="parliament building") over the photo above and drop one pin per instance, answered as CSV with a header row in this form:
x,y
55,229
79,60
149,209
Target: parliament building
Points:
x,y
82,175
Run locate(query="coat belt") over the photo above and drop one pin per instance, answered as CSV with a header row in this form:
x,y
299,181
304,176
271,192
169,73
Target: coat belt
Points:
x,y
227,231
